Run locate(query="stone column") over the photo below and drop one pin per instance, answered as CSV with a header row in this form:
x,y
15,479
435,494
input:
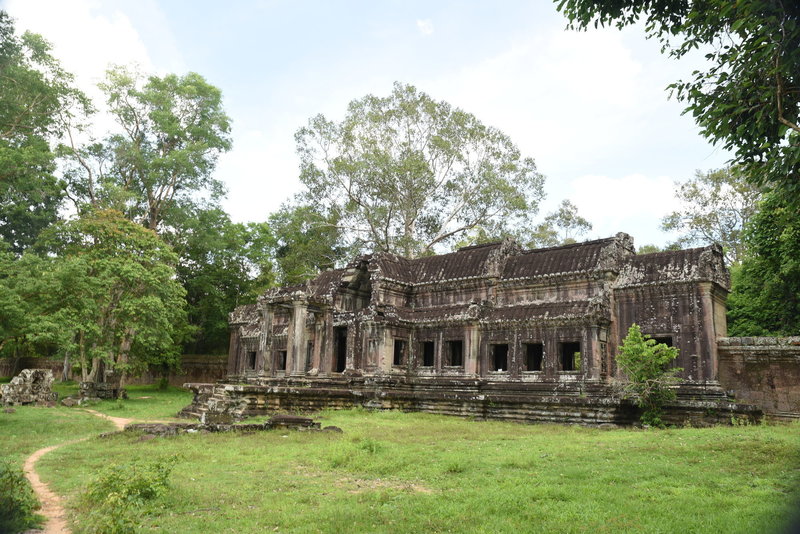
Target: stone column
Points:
x,y
472,347
233,352
709,367
264,359
296,343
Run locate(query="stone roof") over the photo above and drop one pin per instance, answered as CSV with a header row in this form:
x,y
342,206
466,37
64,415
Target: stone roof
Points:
x,y
690,265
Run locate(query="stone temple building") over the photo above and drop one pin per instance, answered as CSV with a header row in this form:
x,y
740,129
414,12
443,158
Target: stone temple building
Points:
x,y
489,331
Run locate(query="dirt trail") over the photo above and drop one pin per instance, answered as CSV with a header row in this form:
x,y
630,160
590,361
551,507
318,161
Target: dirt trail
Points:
x,y
52,509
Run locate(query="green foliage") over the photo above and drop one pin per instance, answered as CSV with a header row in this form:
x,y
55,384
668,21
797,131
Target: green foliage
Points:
x,y
748,98
34,93
305,242
649,378
113,295
172,130
716,206
405,173
561,227
18,503
115,497
222,264
765,294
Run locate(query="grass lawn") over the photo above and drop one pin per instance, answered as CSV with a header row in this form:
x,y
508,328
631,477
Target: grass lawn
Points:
x,y
397,472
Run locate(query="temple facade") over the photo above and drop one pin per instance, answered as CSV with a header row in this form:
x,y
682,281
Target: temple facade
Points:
x,y
491,330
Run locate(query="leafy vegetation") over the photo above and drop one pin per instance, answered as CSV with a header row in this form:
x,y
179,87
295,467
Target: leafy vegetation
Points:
x,y
648,377
405,173
18,504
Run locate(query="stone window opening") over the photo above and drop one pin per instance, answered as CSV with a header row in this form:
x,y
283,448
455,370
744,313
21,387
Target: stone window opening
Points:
x,y
666,340
309,354
534,356
340,335
251,360
428,351
399,352
454,356
280,364
499,357
570,356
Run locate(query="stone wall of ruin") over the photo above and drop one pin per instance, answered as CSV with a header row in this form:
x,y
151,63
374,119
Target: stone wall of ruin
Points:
x,y
764,371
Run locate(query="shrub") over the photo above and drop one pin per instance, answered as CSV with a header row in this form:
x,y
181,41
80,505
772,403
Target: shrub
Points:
x,y
117,494
649,379
17,501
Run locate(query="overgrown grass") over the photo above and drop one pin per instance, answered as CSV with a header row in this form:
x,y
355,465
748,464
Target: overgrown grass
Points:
x,y
396,472
147,403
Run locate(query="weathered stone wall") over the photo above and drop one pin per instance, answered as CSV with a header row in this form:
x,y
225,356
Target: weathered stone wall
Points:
x,y
764,371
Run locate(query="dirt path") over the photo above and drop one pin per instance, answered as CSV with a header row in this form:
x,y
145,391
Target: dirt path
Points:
x,y
52,509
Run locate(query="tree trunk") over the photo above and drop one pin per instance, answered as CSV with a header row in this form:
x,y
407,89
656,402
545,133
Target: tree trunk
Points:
x,y
65,370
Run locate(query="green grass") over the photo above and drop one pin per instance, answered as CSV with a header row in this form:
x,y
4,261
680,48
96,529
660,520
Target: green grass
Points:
x,y
146,403
396,472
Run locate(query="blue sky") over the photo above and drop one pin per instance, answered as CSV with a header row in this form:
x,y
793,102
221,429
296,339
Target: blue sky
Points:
x,y
590,107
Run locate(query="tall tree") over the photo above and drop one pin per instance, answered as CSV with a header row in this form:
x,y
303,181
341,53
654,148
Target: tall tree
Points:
x,y
222,264
560,227
406,173
35,94
765,292
114,298
173,129
748,98
304,243
715,208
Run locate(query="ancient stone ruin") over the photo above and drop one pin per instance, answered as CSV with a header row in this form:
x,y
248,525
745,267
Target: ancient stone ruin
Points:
x,y
490,331
31,386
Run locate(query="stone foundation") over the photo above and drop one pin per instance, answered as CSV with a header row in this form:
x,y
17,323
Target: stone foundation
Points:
x,y
586,403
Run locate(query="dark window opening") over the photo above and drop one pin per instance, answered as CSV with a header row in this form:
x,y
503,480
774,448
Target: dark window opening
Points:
x,y
427,353
340,335
251,360
309,354
280,365
500,357
666,340
534,355
571,356
399,352
455,353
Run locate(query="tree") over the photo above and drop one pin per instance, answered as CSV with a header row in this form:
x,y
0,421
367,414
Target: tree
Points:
x,y
304,243
173,129
35,94
406,173
222,264
716,206
561,227
748,99
765,289
115,298
648,379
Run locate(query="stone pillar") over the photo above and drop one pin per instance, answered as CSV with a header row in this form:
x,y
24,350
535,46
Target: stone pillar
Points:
x,y
710,367
263,358
472,348
233,352
296,344
319,336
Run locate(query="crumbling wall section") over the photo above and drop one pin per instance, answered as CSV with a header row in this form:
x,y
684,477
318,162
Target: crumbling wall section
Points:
x,y
30,386
764,371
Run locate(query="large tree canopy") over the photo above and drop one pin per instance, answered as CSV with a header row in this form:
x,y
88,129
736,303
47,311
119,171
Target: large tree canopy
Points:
x,y
406,173
748,98
715,208
34,95
173,129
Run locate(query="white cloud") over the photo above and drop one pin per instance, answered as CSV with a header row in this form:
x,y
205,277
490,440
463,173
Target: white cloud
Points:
x,y
634,204
425,26
261,173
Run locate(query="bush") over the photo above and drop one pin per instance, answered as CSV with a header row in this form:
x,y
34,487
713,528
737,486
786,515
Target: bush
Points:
x,y
116,496
649,379
17,501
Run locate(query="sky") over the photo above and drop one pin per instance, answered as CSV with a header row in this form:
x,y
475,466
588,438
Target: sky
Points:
x,y
591,108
